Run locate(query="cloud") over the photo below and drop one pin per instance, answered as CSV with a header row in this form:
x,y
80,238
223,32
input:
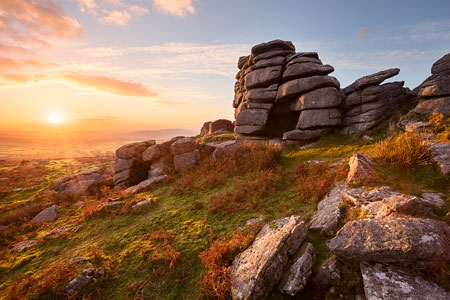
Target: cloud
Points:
x,y
175,7
34,23
434,30
363,34
110,85
112,12
14,64
96,119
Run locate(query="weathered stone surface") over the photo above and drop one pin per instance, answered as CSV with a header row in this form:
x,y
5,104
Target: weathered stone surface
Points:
x,y
272,45
321,98
224,149
437,85
48,214
265,106
87,182
207,125
434,199
327,216
264,95
221,125
393,283
142,204
123,164
269,62
359,127
256,270
249,129
370,80
399,205
144,184
413,241
299,70
186,161
361,196
442,65
433,106
293,56
183,145
319,118
135,174
263,77
304,59
327,273
360,168
152,153
391,90
300,272
303,85
241,61
77,284
271,54
306,134
133,150
441,155
256,117
24,245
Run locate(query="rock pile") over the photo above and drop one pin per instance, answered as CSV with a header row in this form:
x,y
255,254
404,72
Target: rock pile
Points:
x,y
280,93
367,103
144,163
434,92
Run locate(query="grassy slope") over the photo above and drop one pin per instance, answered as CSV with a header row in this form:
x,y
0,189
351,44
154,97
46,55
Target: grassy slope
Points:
x,y
118,240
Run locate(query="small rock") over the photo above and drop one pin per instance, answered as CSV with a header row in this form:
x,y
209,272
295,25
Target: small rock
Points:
x,y
143,203
144,184
397,206
48,214
78,204
3,179
254,221
77,284
114,203
367,138
26,188
327,273
300,272
56,232
434,198
360,168
23,245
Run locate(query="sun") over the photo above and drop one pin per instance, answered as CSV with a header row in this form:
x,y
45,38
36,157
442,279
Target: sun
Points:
x,y
55,117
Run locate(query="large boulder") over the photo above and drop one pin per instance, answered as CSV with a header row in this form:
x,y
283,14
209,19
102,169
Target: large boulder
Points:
x,y
263,77
413,241
389,282
186,161
133,150
85,183
303,85
220,125
183,145
371,80
256,270
272,45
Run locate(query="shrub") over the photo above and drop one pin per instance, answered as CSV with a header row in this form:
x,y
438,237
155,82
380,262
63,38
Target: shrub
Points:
x,y
240,160
441,126
314,179
217,261
404,150
162,249
23,214
48,282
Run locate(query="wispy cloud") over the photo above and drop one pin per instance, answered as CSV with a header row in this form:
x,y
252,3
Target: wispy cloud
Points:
x,y
113,12
35,23
111,85
175,7
426,31
363,34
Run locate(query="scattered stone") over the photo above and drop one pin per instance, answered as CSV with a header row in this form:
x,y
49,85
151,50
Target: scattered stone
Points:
x,y
434,199
441,155
26,188
418,127
77,284
300,272
75,260
114,203
56,232
367,138
397,206
48,214
389,282
415,242
24,245
360,168
143,203
78,204
361,196
256,270
327,273
144,185
3,179
327,216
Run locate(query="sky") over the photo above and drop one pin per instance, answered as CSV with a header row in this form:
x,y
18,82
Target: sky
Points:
x,y
158,64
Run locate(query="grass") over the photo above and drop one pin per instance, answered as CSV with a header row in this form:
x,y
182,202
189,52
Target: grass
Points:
x,y
182,245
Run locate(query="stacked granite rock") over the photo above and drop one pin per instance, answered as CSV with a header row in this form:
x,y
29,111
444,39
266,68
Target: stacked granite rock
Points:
x,y
147,160
280,93
367,103
434,92
217,126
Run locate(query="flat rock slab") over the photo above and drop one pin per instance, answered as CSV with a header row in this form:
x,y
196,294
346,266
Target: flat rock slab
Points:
x,y
24,245
399,205
442,65
302,85
299,272
370,80
414,241
393,283
327,216
256,270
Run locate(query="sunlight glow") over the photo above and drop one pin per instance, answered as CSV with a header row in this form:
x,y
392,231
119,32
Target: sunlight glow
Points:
x,y
55,117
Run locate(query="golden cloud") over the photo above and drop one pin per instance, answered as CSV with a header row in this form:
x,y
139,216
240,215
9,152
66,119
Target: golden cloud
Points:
x,y
175,7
